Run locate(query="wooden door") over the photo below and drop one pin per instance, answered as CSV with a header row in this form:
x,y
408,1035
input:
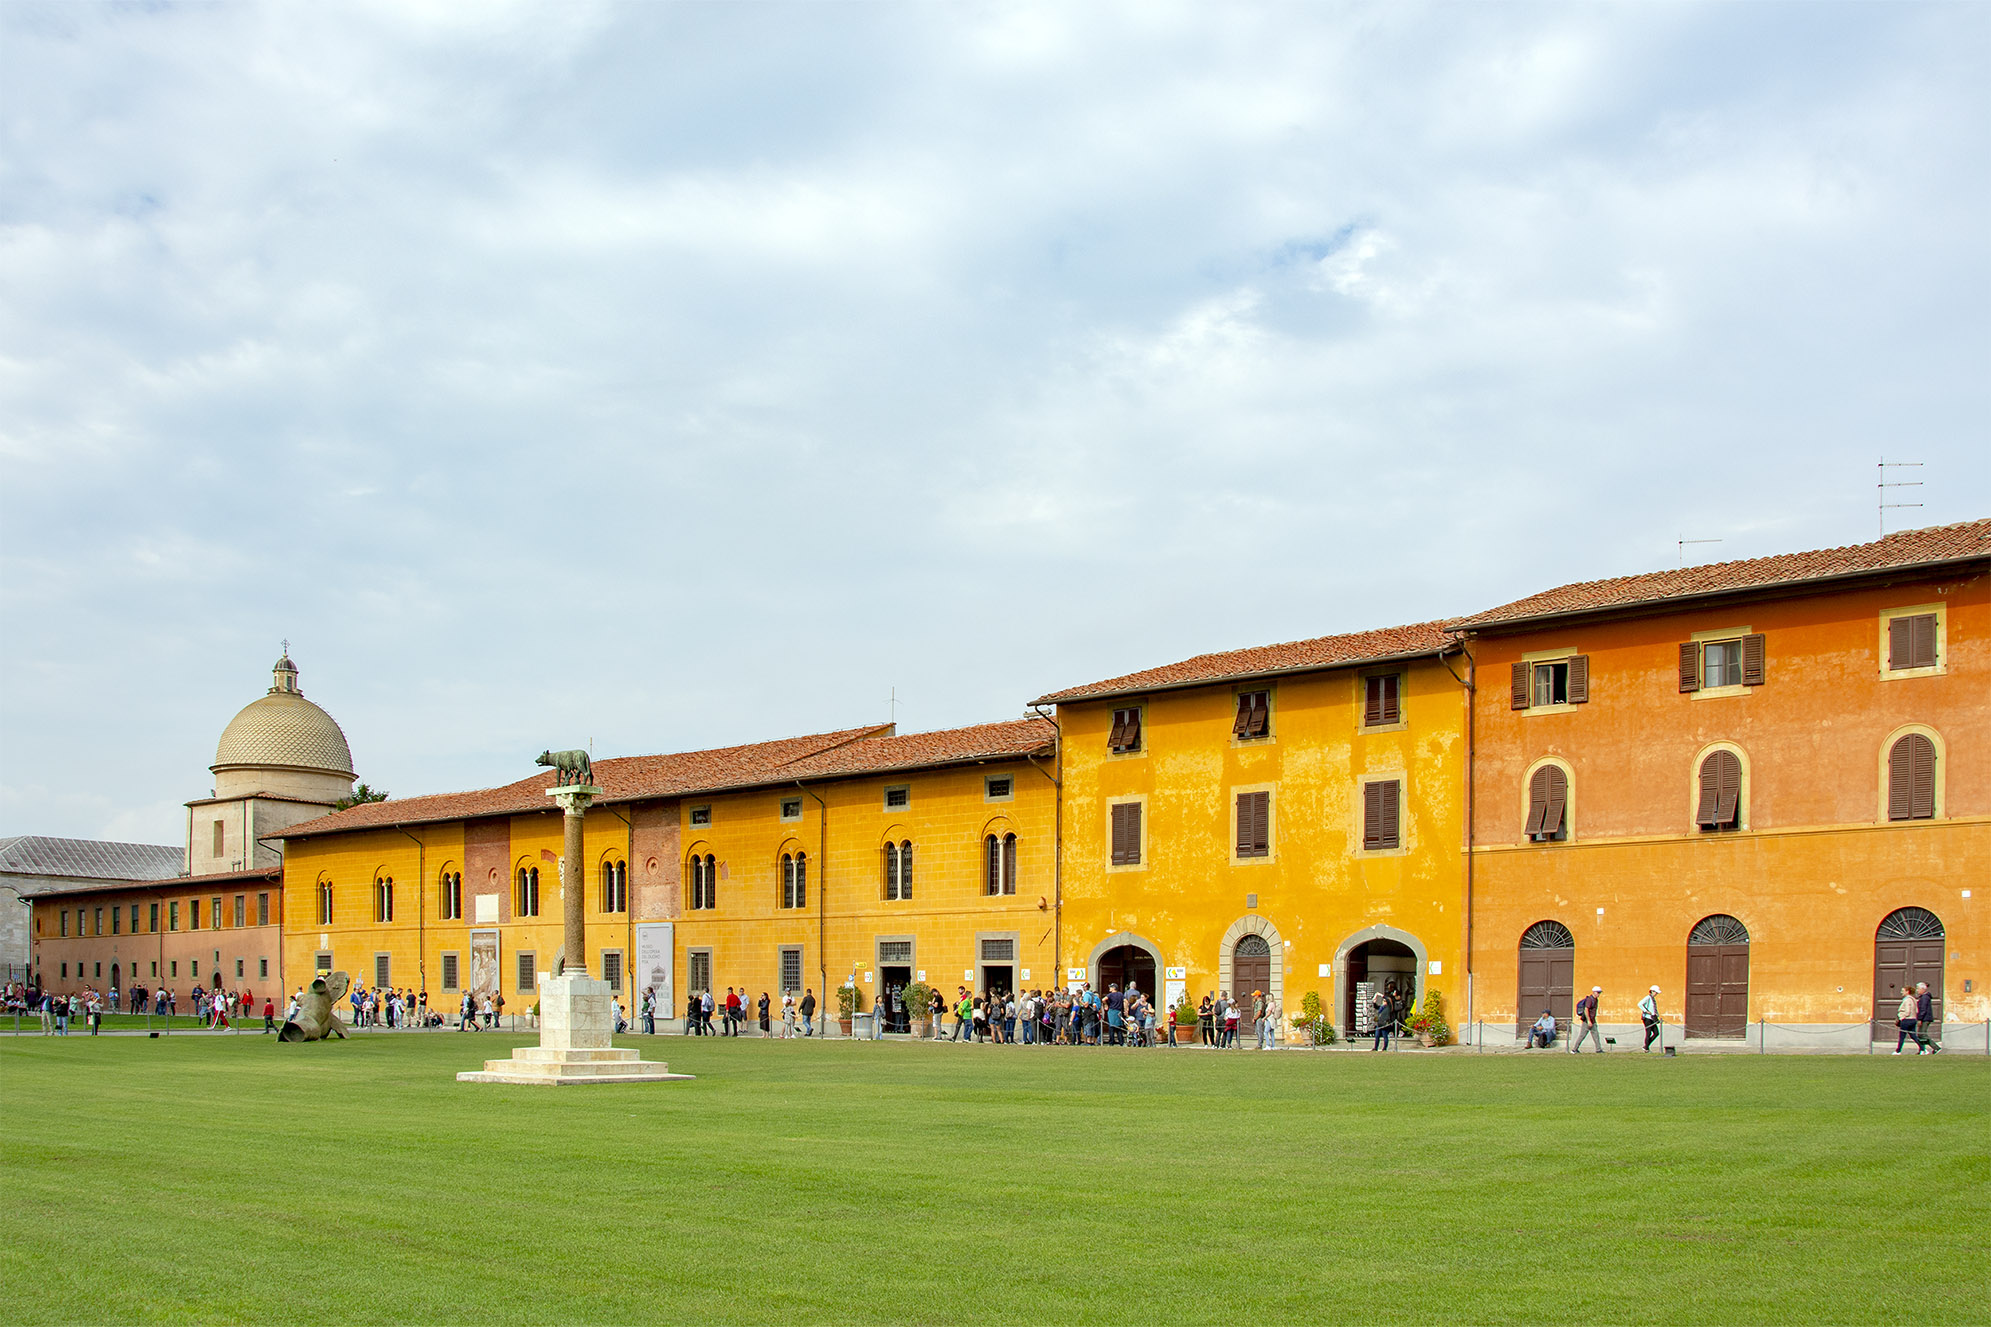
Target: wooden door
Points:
x,y
1251,970
1897,966
1717,990
1548,981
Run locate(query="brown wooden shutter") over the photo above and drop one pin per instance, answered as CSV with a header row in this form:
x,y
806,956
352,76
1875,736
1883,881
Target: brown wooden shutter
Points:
x,y
1118,737
1127,834
1523,679
1579,679
1133,733
1900,778
1253,824
1392,697
1690,666
1372,709
1752,660
1900,643
1392,814
1244,824
1729,773
1241,726
1924,651
1538,800
1705,812
1558,799
1261,713
1372,816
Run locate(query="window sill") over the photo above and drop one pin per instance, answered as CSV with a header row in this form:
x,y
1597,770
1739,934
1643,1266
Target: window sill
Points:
x,y
1903,674
1721,693
1256,859
1537,711
1401,725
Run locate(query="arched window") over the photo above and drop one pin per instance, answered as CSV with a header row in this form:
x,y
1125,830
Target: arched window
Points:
x,y
1720,929
1547,935
795,880
324,906
1251,966
615,886
1720,805
452,896
1910,924
999,875
525,898
704,881
383,899
899,870
1911,779
1548,805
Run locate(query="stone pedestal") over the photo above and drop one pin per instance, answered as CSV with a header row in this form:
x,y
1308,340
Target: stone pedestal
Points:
x,y
575,1043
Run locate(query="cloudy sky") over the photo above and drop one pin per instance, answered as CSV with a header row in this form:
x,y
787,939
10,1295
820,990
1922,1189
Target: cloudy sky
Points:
x,y
673,375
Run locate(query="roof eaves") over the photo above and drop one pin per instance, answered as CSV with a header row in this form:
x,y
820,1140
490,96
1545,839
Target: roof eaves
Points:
x,y
1225,679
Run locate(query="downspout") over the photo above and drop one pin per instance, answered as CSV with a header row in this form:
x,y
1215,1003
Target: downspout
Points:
x,y
822,887
628,910
1058,852
421,910
1471,683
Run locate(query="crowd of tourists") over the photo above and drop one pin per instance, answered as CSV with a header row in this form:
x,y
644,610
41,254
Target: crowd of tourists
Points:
x,y
786,1017
1085,1017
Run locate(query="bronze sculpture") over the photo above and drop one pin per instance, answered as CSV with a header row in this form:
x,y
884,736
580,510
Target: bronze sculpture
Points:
x,y
573,768
315,1021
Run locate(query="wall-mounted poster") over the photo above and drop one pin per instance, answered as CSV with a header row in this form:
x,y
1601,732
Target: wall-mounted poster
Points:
x,y
655,963
483,963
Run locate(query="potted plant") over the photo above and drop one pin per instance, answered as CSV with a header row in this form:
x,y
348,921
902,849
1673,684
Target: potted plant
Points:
x,y
1313,1025
1428,1021
919,1007
1185,1021
847,1003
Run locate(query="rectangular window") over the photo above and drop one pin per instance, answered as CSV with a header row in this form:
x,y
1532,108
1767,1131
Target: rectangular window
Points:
x,y
1911,642
615,887
1736,661
99,974
154,965
791,808
322,961
794,880
999,951
704,882
1382,701
193,967
325,903
383,970
528,972
241,910
1552,684
699,963
1722,664
791,970
1126,734
449,962
97,922
65,972
999,873
895,951
1127,834
1539,684
220,838
262,967
62,922
238,969
262,909
701,815
611,968
173,915
1254,824
117,921
998,788
1254,714
152,919
1382,814
214,913
383,900
134,919
174,964
898,798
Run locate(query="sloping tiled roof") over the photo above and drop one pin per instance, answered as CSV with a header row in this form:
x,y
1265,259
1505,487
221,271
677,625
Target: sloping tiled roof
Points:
x,y
852,751
194,883
1299,656
1933,547
87,859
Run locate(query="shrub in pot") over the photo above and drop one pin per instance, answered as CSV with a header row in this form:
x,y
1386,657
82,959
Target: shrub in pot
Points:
x,y
918,999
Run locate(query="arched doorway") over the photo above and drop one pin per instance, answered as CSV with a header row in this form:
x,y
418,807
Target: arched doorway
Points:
x,y
1718,978
1389,966
1907,948
1548,975
1129,967
1251,967
116,985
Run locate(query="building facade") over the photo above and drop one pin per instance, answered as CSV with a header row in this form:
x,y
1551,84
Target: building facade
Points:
x,y
34,866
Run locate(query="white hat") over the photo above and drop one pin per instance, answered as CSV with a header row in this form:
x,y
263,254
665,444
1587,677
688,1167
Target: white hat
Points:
x,y
1655,990
1596,990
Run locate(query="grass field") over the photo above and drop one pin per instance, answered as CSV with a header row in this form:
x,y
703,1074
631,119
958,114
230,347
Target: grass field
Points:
x,y
228,1179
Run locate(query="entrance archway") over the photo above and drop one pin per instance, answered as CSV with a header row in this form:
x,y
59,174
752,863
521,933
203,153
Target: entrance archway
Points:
x,y
1368,961
1548,975
1241,944
1127,960
116,985
1718,978
1907,948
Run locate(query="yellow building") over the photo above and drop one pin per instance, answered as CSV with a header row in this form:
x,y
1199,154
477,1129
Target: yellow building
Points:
x,y
777,866
1286,819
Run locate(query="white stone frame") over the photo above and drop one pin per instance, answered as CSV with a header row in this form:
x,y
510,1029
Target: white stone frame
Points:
x,y
1421,960
1118,940
1253,924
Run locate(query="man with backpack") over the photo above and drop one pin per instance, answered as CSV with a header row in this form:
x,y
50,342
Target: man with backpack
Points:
x,y
1586,1021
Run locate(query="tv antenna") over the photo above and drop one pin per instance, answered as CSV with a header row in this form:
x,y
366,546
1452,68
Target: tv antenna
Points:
x,y
1883,505
1685,542
893,702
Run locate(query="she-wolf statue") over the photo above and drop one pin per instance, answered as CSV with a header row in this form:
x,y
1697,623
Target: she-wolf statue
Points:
x,y
573,767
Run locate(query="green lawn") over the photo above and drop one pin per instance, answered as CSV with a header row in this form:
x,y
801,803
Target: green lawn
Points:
x,y
215,1179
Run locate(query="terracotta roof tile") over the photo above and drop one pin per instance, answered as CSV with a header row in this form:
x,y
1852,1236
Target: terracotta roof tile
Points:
x,y
1935,546
1300,656
195,882
852,751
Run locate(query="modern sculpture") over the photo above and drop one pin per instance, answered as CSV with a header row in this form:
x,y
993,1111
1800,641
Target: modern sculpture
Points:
x,y
315,1020
576,1034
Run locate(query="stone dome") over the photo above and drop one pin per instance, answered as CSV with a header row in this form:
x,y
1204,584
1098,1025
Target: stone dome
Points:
x,y
284,730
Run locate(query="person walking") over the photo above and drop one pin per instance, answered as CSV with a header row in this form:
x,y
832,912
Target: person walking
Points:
x,y
1380,1021
1648,1014
964,1013
1586,1021
787,1015
269,1014
1904,1021
1926,1032
808,1011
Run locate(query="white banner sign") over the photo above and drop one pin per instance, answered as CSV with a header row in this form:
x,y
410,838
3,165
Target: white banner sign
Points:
x,y
656,965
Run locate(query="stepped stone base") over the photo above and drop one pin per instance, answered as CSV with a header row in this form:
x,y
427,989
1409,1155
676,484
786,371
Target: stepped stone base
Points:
x,y
575,1044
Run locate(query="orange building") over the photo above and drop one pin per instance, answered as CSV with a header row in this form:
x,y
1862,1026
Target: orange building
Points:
x,y
223,930
787,865
1764,786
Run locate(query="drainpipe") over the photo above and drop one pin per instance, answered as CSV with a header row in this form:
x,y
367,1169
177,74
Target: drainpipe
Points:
x,y
1058,850
628,911
822,887
1471,683
421,910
